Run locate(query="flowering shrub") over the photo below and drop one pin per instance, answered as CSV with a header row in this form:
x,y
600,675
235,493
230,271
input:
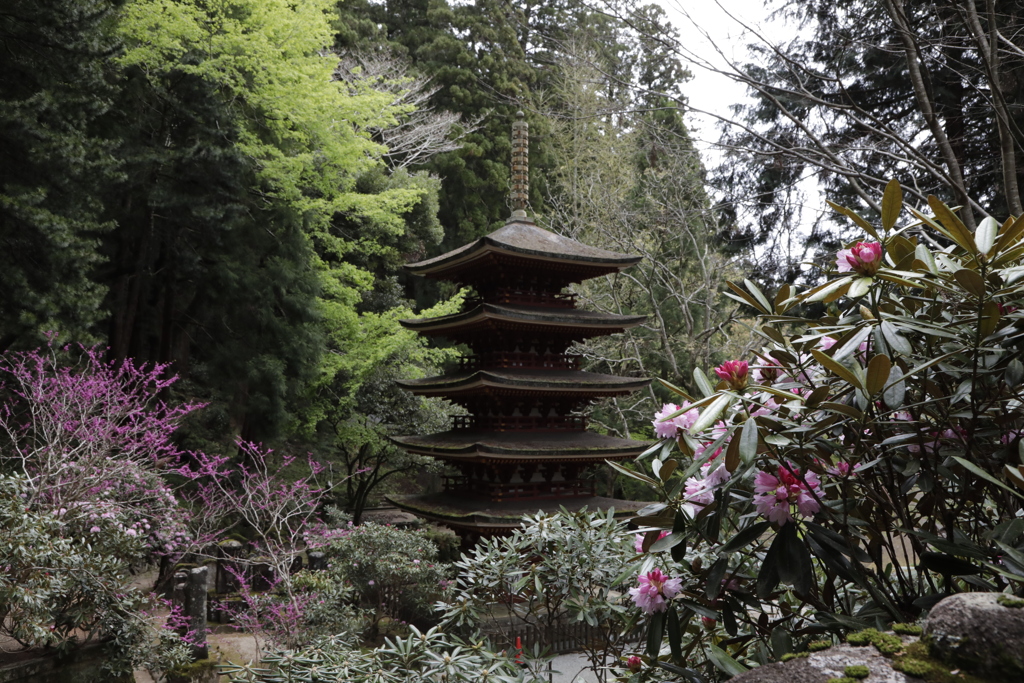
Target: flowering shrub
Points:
x,y
82,501
393,572
555,568
872,459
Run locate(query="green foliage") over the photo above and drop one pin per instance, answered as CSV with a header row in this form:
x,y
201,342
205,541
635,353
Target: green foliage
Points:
x,y
53,164
907,629
569,566
1009,601
432,656
62,580
394,572
861,428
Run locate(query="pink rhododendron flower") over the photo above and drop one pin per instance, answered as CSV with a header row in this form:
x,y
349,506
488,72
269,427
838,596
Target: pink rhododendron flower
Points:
x,y
826,342
776,495
634,664
638,542
654,589
703,452
734,373
700,491
669,429
863,258
94,530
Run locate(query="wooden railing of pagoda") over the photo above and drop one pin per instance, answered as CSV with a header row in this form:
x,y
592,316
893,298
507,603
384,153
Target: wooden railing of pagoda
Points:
x,y
532,490
509,359
520,296
570,423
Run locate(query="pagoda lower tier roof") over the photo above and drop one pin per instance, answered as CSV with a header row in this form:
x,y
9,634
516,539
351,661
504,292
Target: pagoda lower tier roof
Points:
x,y
521,244
521,446
488,517
523,382
496,317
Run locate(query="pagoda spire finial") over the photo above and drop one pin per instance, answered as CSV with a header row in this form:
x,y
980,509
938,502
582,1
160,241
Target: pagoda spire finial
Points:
x,y
520,166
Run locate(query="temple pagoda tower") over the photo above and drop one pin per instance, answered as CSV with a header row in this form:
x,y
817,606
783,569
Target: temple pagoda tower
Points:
x,y
522,446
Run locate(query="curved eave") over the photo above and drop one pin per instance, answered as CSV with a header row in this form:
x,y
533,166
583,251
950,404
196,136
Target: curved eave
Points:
x,y
487,517
525,240
561,382
494,316
521,447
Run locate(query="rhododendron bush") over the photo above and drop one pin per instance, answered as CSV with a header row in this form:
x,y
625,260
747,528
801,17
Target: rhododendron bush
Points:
x,y
864,462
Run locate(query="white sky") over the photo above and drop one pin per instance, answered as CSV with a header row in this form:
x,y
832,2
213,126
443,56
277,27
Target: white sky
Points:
x,y
706,28
714,31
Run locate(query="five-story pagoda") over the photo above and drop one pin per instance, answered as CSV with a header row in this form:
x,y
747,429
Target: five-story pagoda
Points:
x,y
523,446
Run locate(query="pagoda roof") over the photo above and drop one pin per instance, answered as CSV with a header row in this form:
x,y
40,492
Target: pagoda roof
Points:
x,y
460,512
522,446
525,242
496,316
524,380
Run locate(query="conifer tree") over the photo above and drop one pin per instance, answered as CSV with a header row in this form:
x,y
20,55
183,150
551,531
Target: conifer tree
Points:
x,y
54,56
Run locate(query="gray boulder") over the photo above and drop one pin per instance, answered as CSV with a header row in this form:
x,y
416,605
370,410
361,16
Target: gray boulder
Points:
x,y
979,633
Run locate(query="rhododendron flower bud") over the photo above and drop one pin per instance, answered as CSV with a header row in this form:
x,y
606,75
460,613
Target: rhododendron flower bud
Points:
x,y
634,664
654,589
863,258
733,372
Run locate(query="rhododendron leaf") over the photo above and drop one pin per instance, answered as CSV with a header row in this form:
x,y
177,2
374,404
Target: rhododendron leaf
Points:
x,y
891,276
967,464
925,257
817,396
794,560
756,291
856,218
713,582
822,292
667,468
948,564
654,631
985,235
894,393
878,373
703,383
768,575
710,415
970,281
748,441
1015,475
721,659
676,390
784,294
859,287
851,344
956,229
674,632
631,474
698,608
836,368
1008,236
895,340
892,202
744,538
989,318
667,543
732,454
744,297
843,409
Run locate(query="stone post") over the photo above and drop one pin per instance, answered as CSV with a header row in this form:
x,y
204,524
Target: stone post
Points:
x,y
195,611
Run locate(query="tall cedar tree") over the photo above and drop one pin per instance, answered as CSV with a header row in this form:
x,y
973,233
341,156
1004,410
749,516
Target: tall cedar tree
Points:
x,y
53,57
